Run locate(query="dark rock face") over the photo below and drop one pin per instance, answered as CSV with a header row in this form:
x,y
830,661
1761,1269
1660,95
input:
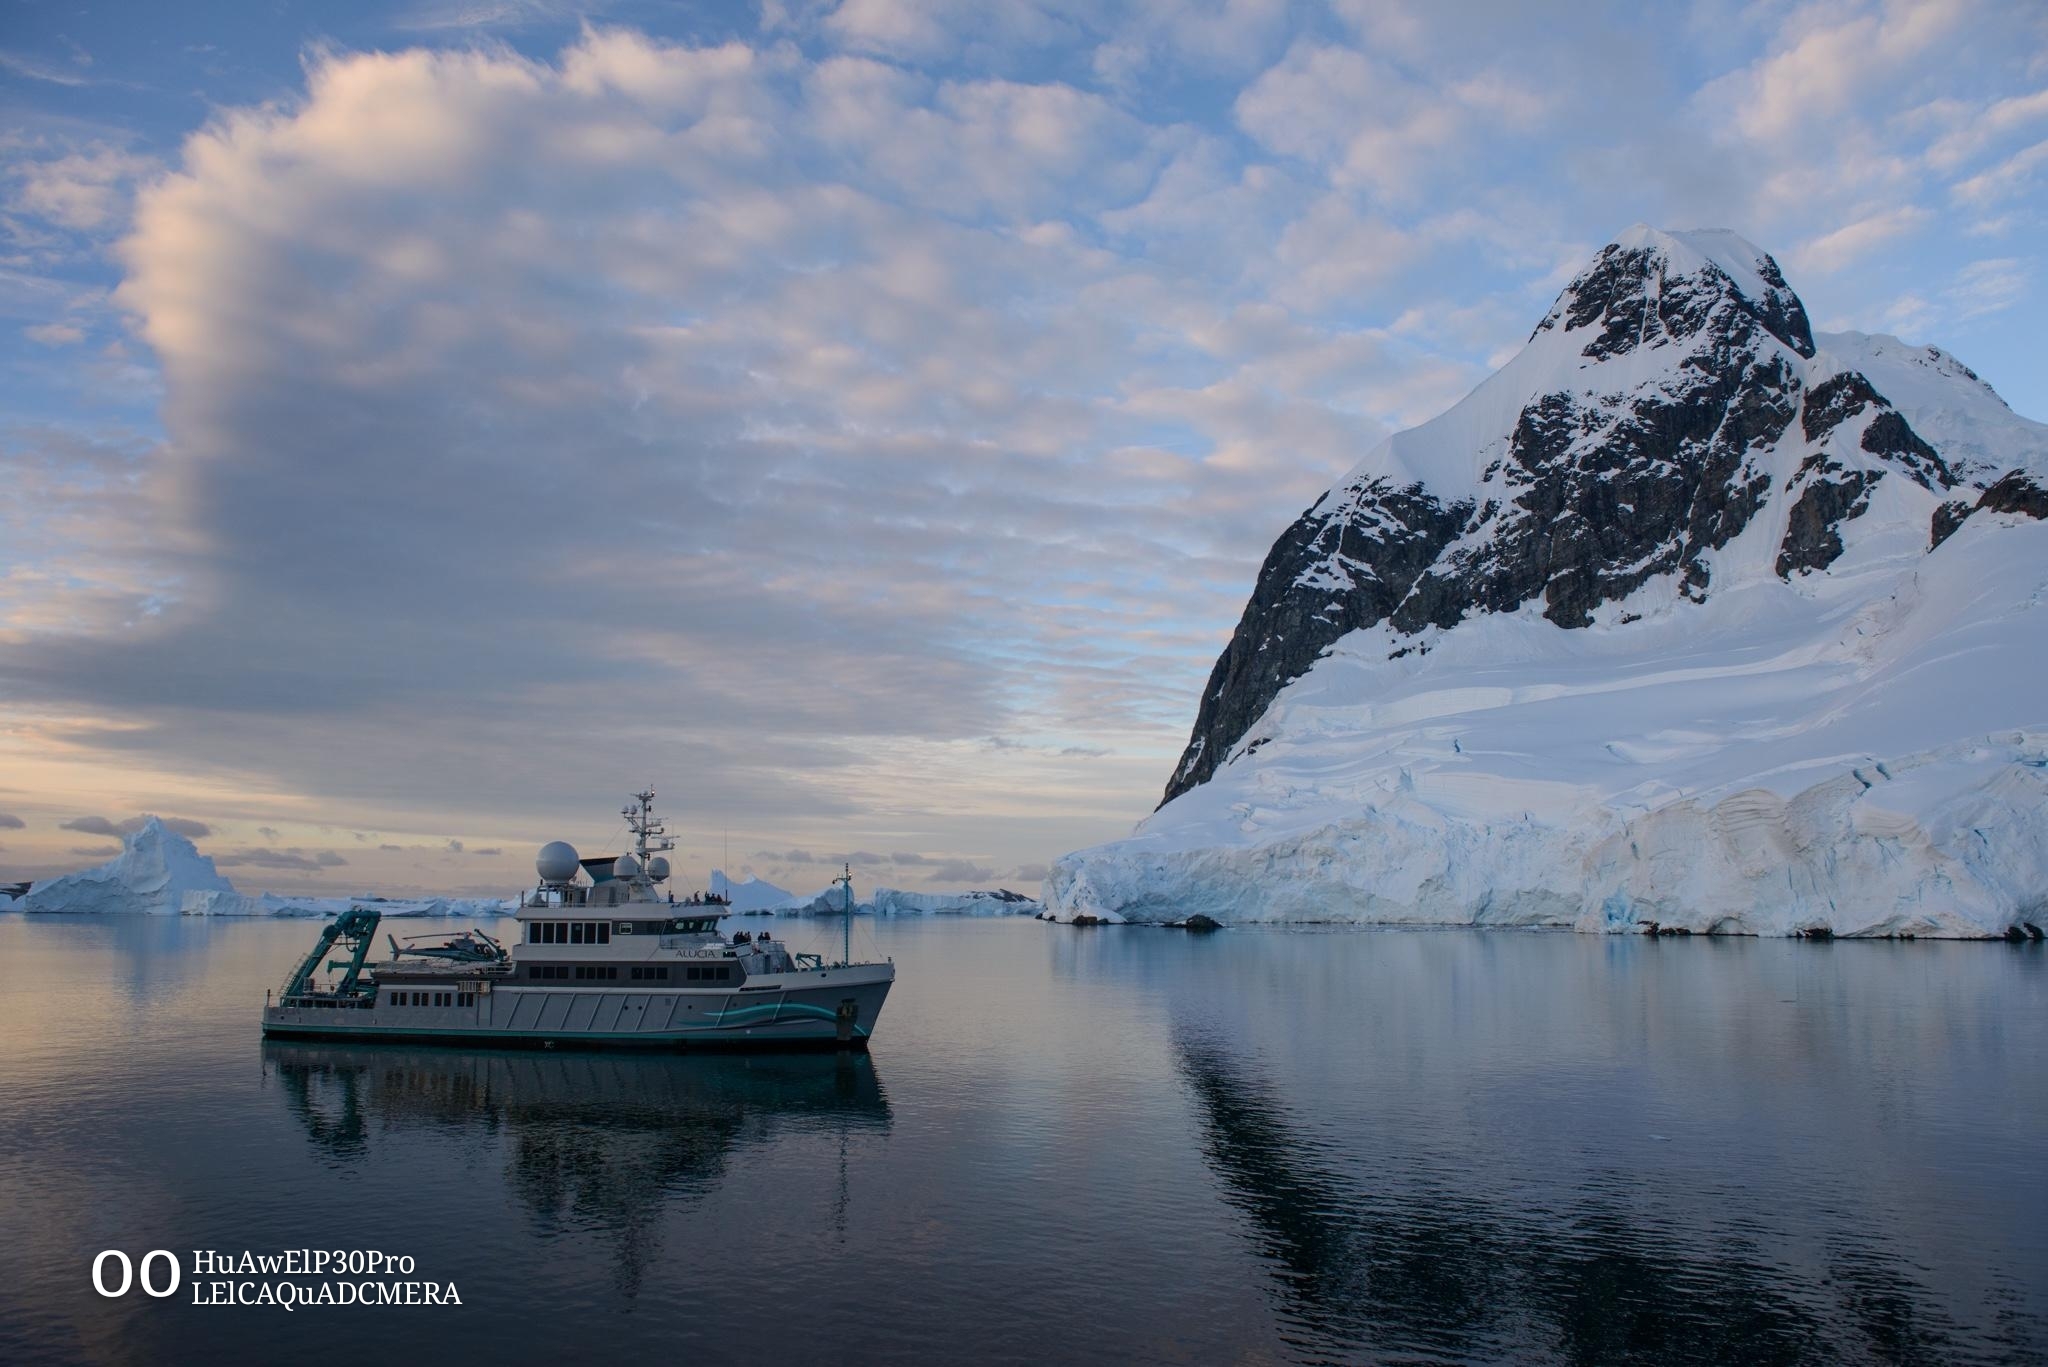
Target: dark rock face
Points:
x,y
2015,493
1339,567
1811,539
1626,290
1592,494
1835,401
1947,518
1601,499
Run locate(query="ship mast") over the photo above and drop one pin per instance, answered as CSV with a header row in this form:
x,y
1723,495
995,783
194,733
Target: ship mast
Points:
x,y
845,880
650,832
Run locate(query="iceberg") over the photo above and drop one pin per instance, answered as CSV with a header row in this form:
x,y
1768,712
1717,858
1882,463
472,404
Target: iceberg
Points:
x,y
155,872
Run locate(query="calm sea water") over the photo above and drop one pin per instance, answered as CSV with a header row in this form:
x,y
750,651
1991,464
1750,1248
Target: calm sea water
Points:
x,y
1114,1145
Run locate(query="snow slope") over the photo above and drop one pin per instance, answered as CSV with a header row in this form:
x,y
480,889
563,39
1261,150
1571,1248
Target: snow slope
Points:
x,y
1801,714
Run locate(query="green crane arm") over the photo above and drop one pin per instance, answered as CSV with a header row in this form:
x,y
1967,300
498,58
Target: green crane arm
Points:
x,y
356,925
360,924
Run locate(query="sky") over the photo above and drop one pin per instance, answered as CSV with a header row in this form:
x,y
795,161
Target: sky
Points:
x,y
422,425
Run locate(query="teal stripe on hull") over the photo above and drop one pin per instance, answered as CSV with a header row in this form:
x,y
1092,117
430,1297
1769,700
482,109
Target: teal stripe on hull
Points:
x,y
784,1008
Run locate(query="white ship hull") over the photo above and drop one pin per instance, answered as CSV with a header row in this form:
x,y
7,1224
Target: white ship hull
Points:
x,y
834,1007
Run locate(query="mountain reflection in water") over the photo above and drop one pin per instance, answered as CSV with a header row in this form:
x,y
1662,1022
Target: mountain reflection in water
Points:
x,y
603,1143
1399,1267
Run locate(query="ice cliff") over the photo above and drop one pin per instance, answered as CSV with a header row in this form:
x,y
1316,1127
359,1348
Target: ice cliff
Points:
x,y
1687,617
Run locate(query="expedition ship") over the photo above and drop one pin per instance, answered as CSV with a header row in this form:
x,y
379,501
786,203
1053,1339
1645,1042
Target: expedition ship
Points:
x,y
604,959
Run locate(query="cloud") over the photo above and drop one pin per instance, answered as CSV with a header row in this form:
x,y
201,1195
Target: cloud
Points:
x,y
478,15
54,334
99,825
1825,59
91,825
36,70
293,858
491,852
1834,250
454,847
96,851
961,871
267,832
10,822
85,190
1031,873
2005,180
1990,286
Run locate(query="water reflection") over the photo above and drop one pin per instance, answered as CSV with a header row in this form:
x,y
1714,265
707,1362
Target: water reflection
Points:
x,y
608,1143
1388,1261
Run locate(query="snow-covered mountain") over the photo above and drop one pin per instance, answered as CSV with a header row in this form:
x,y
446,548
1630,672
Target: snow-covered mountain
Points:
x,y
1685,616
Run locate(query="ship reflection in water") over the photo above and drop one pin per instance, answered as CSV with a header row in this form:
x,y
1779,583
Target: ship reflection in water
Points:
x,y
604,1143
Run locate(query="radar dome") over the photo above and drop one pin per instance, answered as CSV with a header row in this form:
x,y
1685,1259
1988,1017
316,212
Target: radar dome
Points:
x,y
557,862
625,867
657,868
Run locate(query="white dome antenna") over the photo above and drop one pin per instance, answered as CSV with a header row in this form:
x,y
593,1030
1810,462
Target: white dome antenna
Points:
x,y
557,863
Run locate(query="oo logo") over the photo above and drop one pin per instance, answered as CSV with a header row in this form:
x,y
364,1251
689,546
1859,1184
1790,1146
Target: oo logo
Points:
x,y
128,1271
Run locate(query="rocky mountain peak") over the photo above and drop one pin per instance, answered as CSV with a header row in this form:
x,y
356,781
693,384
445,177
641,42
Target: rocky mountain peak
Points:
x,y
1671,422
1649,287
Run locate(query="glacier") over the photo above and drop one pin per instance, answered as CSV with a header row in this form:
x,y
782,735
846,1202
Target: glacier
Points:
x,y
1817,710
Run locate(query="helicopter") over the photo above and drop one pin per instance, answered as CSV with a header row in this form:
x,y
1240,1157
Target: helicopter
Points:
x,y
470,947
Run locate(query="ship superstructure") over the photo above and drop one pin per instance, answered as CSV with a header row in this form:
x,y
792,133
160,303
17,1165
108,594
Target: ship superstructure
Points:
x,y
604,957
